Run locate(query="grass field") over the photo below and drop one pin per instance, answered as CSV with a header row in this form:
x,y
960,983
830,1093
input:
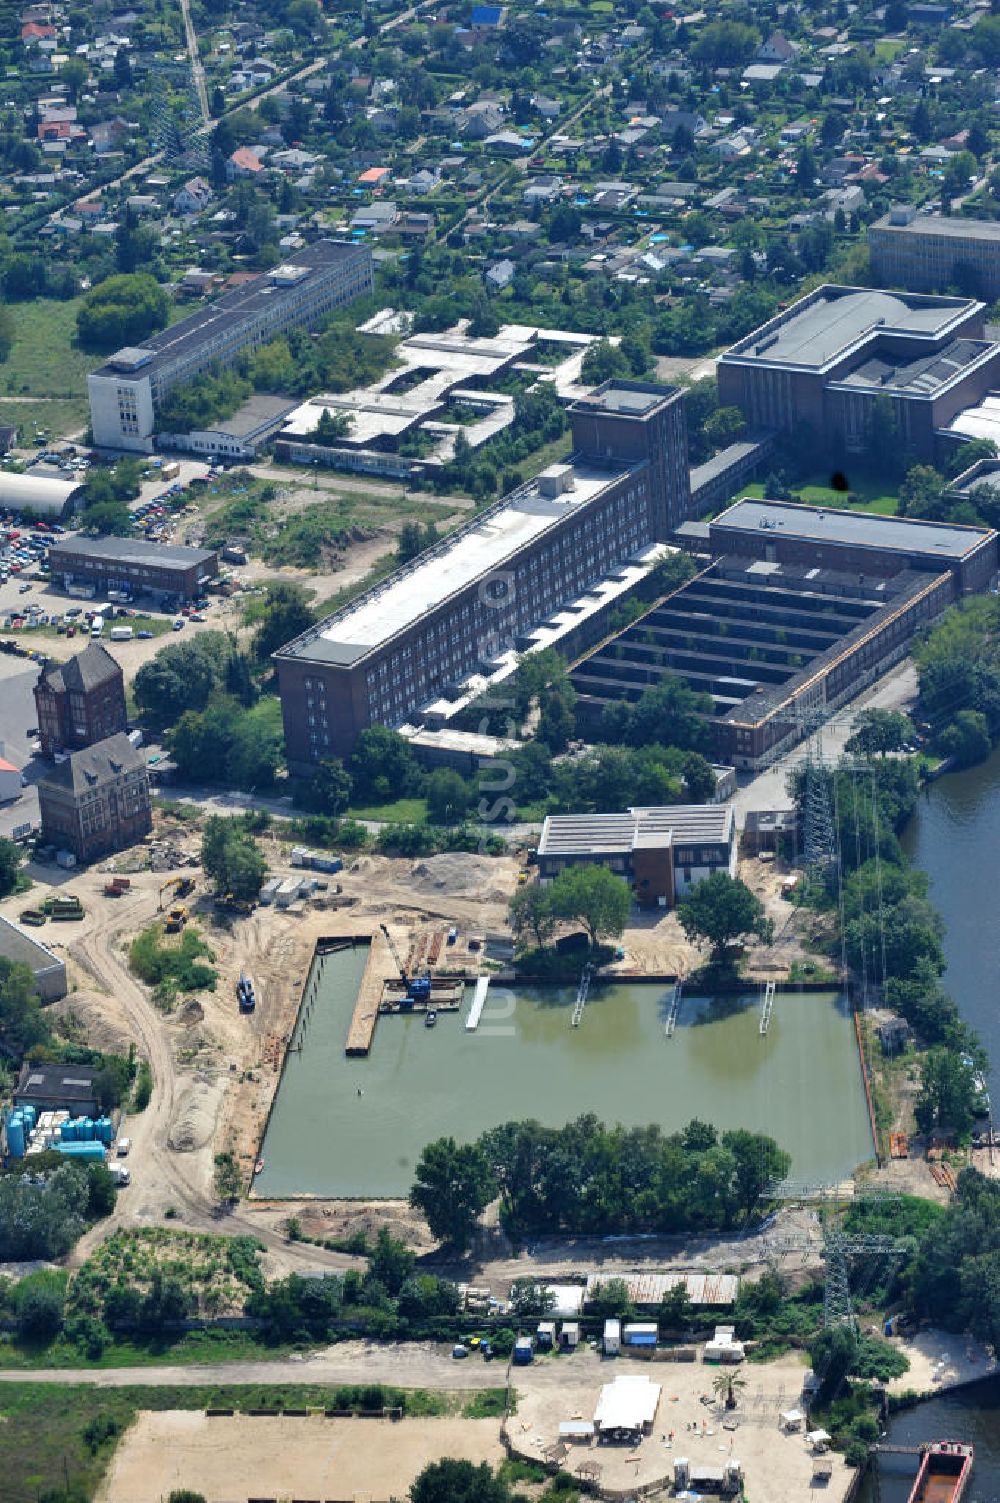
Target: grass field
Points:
x,y
64,1436
47,368
408,811
874,493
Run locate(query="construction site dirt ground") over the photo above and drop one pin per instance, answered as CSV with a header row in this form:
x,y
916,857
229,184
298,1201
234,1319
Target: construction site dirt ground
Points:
x,y
216,1070
230,1459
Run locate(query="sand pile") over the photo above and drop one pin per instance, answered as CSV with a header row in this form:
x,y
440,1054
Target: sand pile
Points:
x,y
456,874
194,1119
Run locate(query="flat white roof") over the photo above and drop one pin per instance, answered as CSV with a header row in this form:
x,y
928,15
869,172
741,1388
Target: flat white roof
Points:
x,y
468,555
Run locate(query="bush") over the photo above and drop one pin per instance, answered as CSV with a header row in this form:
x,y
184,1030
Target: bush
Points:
x,y
41,1299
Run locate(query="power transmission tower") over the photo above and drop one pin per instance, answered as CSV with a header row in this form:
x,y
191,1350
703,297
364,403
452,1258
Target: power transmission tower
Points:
x,y
818,836
175,120
842,1249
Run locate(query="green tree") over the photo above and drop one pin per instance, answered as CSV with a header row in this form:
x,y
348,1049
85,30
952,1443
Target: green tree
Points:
x,y
760,1164
610,1298
285,614
8,332
182,676
391,1262
920,493
876,732
833,1354
458,1482
448,796
231,858
530,915
947,1098
675,1309
382,765
10,866
727,1386
74,74
328,791
966,739
331,427
123,309
594,897
185,1495
722,912
602,362
39,1307
453,1186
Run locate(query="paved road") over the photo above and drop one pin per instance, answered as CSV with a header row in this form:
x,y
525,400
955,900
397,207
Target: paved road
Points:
x,y
769,789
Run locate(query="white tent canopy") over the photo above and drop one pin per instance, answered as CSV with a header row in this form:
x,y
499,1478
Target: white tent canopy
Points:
x,y
629,1403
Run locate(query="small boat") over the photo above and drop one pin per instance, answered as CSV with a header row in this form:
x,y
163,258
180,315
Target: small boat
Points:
x,y
258,1167
430,1018
944,1473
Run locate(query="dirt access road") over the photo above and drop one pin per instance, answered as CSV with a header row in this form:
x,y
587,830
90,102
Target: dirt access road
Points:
x,y
110,998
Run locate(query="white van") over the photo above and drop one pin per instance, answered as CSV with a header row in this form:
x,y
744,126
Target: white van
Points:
x,y
122,633
97,627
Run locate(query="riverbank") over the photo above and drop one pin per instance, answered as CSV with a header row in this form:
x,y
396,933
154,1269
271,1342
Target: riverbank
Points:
x,y
940,1361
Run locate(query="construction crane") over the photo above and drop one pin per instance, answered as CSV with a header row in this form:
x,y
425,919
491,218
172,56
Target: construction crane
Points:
x,y
418,988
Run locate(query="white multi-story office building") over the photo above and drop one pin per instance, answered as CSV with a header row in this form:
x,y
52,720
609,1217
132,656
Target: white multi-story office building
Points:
x,y
127,391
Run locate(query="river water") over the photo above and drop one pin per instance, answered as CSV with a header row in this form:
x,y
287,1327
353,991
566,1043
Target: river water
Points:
x,y
355,1126
954,837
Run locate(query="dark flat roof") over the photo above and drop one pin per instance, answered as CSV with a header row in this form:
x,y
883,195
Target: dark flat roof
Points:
x,y
60,1082
829,322
626,398
131,551
855,529
951,229
231,308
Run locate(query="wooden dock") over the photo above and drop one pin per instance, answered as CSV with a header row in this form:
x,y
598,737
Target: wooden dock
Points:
x,y
380,967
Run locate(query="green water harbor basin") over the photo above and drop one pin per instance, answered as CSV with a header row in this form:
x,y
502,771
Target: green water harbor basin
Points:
x,y
344,1127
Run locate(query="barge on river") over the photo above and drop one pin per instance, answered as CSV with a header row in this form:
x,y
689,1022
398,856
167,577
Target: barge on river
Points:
x,y
944,1473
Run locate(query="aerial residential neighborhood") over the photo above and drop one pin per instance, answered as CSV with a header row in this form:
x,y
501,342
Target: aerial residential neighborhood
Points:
x,y
499,698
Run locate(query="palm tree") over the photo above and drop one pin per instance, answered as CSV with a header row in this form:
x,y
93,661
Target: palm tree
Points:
x,y
727,1386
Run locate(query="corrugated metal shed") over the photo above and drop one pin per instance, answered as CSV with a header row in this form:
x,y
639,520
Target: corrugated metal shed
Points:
x,y
649,1288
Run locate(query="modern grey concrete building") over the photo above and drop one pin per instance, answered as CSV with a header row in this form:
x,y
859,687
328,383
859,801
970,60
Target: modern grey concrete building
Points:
x,y
127,391
414,638
927,253
817,368
661,851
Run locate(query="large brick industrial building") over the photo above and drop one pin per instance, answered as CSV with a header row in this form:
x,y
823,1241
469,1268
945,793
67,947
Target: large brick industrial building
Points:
x,y
96,801
80,701
817,368
928,253
798,610
128,390
418,635
166,571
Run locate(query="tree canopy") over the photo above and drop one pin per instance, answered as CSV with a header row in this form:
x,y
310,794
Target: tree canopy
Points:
x,y
123,309
453,1186
722,912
